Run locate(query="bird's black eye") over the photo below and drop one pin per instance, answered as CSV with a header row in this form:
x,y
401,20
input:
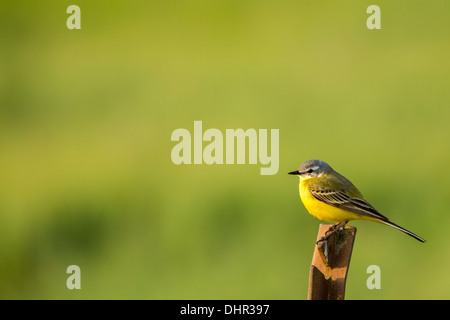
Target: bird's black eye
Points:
x,y
310,170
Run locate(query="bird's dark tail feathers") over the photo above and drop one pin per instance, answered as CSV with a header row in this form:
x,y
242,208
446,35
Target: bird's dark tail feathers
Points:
x,y
409,233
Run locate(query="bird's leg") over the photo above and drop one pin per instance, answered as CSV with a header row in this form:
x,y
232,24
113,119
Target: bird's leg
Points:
x,y
334,228
325,247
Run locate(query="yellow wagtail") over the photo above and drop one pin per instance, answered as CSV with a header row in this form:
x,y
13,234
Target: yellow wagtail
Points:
x,y
328,195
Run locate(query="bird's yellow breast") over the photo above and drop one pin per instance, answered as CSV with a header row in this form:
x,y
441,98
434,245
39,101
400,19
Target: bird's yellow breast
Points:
x,y
320,209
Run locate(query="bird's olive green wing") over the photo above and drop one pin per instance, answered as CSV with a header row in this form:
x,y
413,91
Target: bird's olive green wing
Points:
x,y
339,192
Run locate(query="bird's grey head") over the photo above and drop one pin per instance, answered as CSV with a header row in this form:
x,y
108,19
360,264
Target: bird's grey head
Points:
x,y
311,169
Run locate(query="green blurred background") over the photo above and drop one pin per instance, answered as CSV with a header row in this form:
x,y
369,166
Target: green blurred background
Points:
x,y
86,117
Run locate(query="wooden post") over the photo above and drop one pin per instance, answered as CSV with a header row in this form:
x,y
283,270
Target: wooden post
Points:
x,y
330,263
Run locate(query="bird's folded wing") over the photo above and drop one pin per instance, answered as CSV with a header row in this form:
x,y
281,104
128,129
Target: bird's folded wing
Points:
x,y
340,199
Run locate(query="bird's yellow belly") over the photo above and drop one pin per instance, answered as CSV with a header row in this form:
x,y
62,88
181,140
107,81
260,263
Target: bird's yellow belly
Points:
x,y
324,211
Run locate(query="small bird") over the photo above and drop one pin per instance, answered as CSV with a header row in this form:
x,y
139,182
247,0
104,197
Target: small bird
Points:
x,y
329,196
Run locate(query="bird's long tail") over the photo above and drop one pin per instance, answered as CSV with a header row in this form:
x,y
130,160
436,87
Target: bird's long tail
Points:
x,y
389,223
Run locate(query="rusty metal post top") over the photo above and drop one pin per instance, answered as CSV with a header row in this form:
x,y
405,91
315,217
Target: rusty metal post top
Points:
x,y
330,264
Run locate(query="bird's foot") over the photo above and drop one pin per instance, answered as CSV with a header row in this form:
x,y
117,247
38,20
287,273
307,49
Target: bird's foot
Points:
x,y
326,247
334,228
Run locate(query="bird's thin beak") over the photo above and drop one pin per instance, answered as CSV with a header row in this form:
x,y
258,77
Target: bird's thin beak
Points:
x,y
295,172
